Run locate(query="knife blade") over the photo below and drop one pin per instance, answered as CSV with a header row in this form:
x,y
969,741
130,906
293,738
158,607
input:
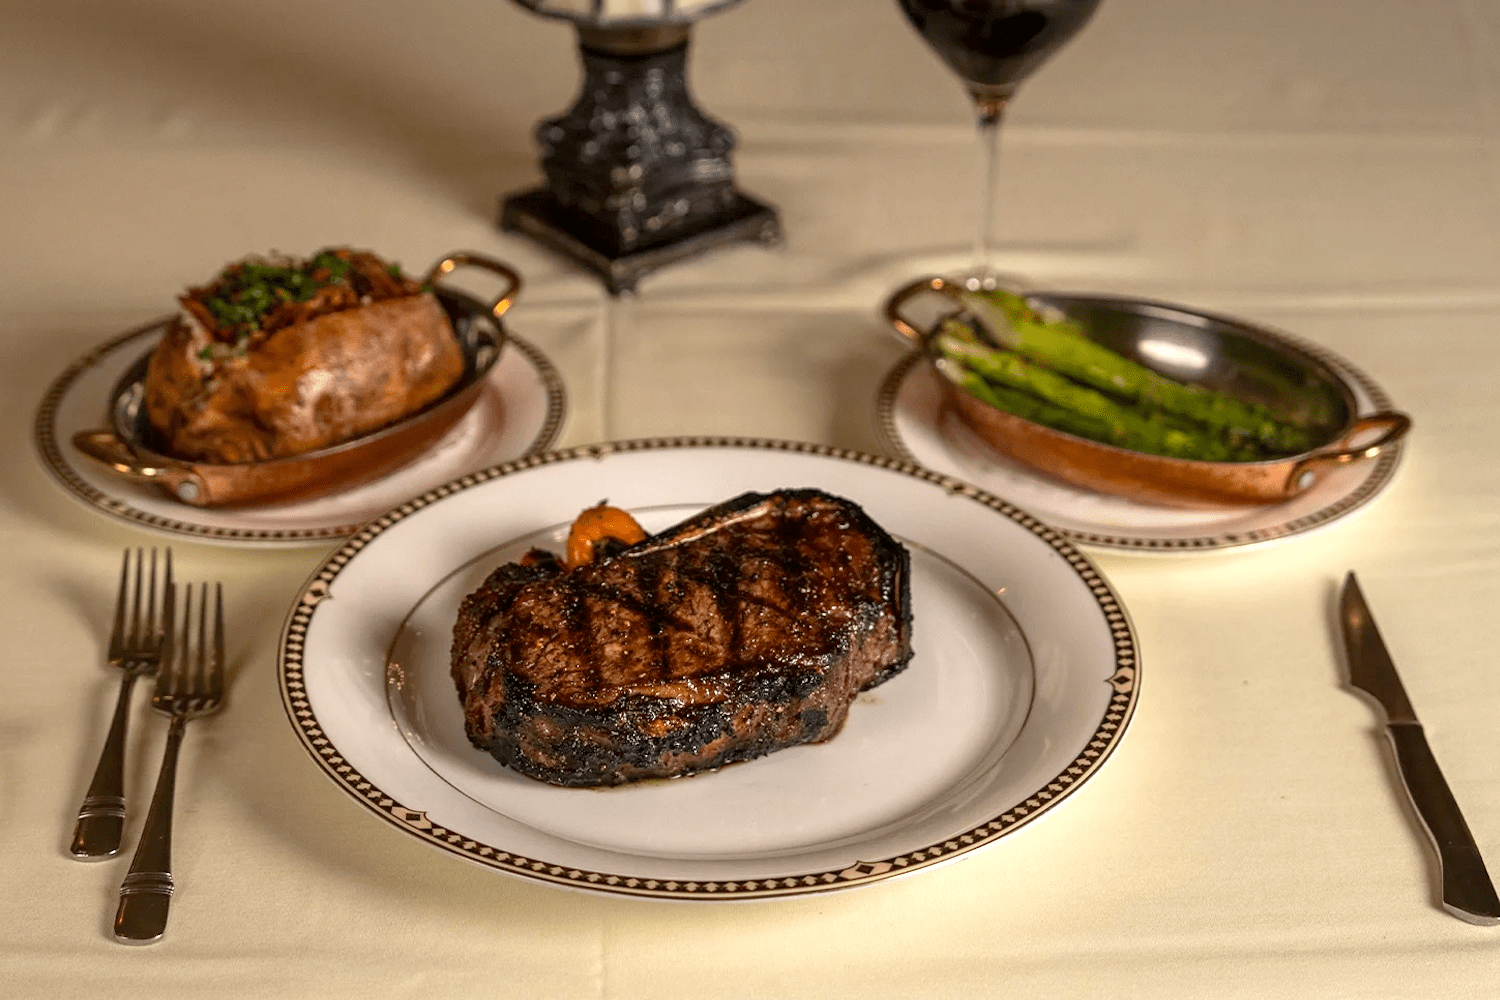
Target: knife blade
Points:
x,y
1468,892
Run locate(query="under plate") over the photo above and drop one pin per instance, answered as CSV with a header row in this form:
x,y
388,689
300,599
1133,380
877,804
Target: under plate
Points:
x,y
917,425
519,411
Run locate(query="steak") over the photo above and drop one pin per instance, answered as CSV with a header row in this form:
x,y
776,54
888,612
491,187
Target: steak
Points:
x,y
745,629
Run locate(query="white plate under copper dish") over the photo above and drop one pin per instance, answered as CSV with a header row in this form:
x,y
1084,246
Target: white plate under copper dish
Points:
x,y
519,412
1023,681
917,425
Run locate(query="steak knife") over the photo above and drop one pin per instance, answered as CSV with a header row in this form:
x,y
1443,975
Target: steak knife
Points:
x,y
1468,892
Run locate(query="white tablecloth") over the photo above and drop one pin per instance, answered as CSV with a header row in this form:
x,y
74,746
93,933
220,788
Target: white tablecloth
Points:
x,y
1330,168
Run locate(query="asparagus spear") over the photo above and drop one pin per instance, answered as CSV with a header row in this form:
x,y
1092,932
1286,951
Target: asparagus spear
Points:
x,y
1029,407
1061,347
1012,383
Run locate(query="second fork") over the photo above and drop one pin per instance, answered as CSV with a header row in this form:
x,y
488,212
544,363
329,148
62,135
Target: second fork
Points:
x,y
189,684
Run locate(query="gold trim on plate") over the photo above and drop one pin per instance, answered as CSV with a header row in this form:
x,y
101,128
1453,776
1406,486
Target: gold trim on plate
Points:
x,y
1096,750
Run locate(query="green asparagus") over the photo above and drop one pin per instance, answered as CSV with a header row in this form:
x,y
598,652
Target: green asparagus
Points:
x,y
1007,381
1028,407
1061,347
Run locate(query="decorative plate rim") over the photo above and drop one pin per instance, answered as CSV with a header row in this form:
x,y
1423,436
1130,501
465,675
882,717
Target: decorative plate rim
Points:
x,y
1105,737
47,447
1382,469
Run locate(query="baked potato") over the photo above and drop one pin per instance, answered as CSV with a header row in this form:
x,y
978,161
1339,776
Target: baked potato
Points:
x,y
279,357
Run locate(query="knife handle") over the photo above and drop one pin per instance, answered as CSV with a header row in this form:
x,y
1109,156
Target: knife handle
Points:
x,y
1468,892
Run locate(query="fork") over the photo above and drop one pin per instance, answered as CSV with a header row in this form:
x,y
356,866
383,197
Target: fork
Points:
x,y
135,644
189,684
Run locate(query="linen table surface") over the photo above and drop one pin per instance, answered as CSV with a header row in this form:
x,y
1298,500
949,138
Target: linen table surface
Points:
x,y
1331,169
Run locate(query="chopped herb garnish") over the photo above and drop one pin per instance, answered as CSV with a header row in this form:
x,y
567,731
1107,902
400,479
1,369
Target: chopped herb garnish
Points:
x,y
253,298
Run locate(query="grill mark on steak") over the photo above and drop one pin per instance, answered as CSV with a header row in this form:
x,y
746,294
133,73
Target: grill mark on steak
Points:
x,y
743,630
597,600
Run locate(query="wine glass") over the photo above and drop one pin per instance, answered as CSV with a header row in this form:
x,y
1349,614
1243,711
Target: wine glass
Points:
x,y
993,45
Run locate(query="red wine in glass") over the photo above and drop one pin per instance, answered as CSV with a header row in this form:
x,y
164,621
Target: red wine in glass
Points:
x,y
993,45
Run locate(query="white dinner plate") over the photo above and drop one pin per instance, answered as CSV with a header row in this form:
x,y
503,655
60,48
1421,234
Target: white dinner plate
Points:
x,y
1022,682
917,425
519,412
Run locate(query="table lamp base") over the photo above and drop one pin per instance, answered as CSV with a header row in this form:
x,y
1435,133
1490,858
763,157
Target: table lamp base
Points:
x,y
636,176
539,215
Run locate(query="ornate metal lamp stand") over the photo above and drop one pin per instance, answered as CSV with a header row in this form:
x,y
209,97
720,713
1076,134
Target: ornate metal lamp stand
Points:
x,y
636,176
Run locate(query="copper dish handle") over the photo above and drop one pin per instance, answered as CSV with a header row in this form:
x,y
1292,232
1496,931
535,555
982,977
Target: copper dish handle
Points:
x,y
1342,451
903,295
453,261
107,448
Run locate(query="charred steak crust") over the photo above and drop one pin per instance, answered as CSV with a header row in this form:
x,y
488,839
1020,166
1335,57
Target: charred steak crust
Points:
x,y
743,630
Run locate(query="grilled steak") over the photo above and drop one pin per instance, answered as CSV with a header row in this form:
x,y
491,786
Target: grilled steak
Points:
x,y
743,630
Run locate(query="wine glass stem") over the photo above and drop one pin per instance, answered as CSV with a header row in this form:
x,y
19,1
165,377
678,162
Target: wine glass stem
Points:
x,y
988,113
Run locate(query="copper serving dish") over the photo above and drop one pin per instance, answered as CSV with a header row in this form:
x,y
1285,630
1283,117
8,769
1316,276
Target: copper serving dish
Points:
x,y
130,449
1219,353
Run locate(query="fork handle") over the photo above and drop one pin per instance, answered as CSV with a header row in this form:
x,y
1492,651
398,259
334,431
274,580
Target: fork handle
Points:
x,y
146,892
101,818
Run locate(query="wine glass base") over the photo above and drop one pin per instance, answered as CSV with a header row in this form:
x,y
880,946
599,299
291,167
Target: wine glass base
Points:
x,y
988,280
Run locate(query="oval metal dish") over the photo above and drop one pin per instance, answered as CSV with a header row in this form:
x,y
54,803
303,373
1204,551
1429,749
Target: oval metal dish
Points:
x,y
130,447
1198,348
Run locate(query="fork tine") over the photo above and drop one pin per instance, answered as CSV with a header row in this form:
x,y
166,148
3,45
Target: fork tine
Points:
x,y
167,651
200,668
216,666
174,664
117,632
135,600
169,595
150,633
182,676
